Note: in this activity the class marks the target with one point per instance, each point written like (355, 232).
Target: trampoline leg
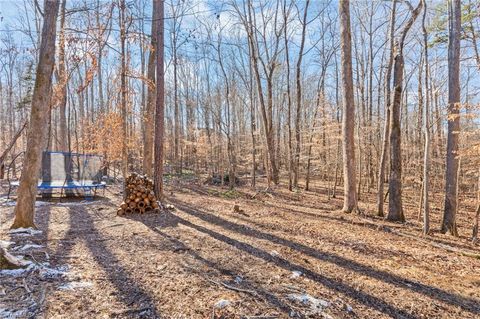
(46, 194)
(88, 193)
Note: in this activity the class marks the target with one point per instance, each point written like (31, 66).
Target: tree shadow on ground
(359, 247)
(157, 222)
(369, 222)
(360, 296)
(138, 303)
(468, 304)
(323, 214)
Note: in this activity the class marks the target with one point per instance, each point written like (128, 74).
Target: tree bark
(299, 96)
(395, 210)
(160, 101)
(426, 158)
(123, 87)
(450, 210)
(150, 110)
(348, 121)
(42, 93)
(477, 214)
(386, 130)
(62, 75)
(291, 165)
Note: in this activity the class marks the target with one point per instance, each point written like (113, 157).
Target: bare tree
(123, 85)
(348, 120)
(62, 79)
(299, 94)
(386, 129)
(27, 191)
(150, 109)
(291, 165)
(451, 173)
(268, 63)
(426, 157)
(395, 211)
(158, 15)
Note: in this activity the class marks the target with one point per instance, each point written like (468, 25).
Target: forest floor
(284, 254)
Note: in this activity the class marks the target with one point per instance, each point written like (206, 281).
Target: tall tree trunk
(299, 96)
(426, 158)
(266, 107)
(100, 44)
(371, 177)
(395, 211)
(386, 130)
(42, 93)
(310, 139)
(268, 125)
(477, 214)
(450, 210)
(252, 122)
(123, 87)
(291, 165)
(348, 121)
(63, 140)
(176, 111)
(160, 100)
(150, 109)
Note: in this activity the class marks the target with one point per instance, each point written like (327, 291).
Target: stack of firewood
(139, 196)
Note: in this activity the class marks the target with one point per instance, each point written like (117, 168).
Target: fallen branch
(25, 286)
(251, 292)
(8, 261)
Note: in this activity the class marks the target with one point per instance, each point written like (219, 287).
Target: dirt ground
(284, 254)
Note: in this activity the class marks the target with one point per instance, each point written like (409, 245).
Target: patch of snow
(82, 203)
(222, 303)
(295, 274)
(76, 285)
(29, 247)
(316, 305)
(5, 243)
(16, 272)
(11, 202)
(274, 253)
(12, 314)
(53, 273)
(7, 202)
(24, 231)
(40, 203)
(238, 279)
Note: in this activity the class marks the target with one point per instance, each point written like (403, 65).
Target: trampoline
(70, 172)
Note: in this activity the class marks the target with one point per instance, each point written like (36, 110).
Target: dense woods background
(254, 90)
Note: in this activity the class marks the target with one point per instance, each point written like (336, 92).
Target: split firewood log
(139, 196)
